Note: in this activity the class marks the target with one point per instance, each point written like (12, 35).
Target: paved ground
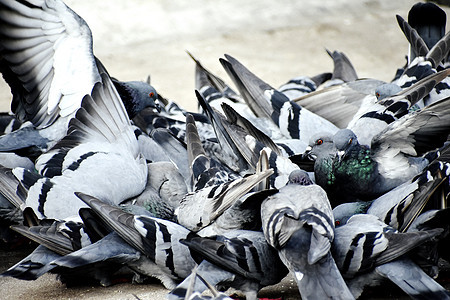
(277, 40)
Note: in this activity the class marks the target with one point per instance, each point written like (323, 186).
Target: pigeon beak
(307, 153)
(341, 155)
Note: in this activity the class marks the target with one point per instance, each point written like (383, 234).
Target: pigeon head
(319, 143)
(300, 177)
(345, 211)
(344, 140)
(144, 95)
(136, 96)
(386, 90)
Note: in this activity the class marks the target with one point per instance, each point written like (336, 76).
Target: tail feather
(412, 280)
(322, 280)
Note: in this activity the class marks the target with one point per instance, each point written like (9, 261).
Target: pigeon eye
(337, 223)
(350, 141)
(151, 94)
(377, 95)
(319, 142)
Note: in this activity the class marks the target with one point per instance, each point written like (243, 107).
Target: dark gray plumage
(365, 244)
(240, 259)
(200, 208)
(165, 258)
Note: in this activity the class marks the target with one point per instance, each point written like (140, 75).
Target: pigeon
(285, 147)
(266, 102)
(174, 149)
(298, 222)
(217, 93)
(200, 208)
(158, 240)
(162, 194)
(365, 245)
(374, 117)
(427, 62)
(240, 259)
(344, 104)
(56, 239)
(50, 66)
(412, 280)
(105, 262)
(429, 255)
(99, 155)
(229, 152)
(320, 151)
(339, 103)
(394, 156)
(243, 214)
(62, 237)
(400, 207)
(205, 171)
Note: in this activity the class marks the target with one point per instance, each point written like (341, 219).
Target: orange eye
(151, 94)
(350, 141)
(377, 95)
(337, 223)
(319, 142)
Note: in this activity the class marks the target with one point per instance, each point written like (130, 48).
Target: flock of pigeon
(338, 180)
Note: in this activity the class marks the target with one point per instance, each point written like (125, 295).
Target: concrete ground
(277, 40)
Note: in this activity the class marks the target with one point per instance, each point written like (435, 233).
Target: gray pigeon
(266, 102)
(240, 259)
(298, 222)
(164, 257)
(396, 155)
(392, 103)
(343, 71)
(174, 148)
(214, 88)
(162, 194)
(400, 207)
(367, 246)
(38, 64)
(100, 155)
(200, 208)
(340, 103)
(228, 152)
(205, 171)
(321, 150)
(217, 93)
(101, 262)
